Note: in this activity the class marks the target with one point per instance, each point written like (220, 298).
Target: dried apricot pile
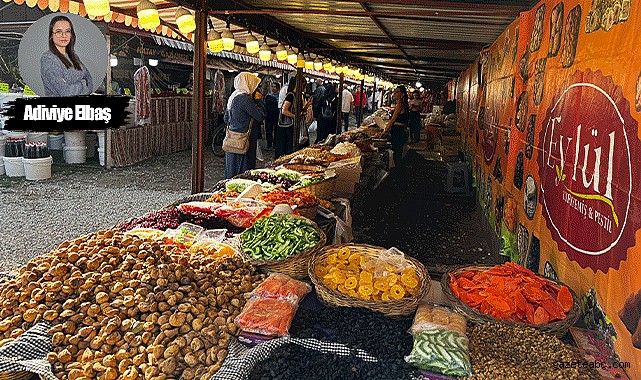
(367, 277)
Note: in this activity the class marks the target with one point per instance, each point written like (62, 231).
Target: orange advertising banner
(556, 143)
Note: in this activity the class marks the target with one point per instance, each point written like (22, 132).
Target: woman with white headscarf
(243, 105)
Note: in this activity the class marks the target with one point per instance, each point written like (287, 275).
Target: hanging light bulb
(147, 15)
(185, 20)
(281, 52)
(251, 43)
(300, 60)
(419, 84)
(326, 65)
(228, 39)
(97, 8)
(318, 64)
(113, 60)
(292, 58)
(332, 69)
(339, 68)
(345, 68)
(214, 41)
(265, 53)
(309, 64)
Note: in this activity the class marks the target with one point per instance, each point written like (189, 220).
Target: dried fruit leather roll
(631, 312)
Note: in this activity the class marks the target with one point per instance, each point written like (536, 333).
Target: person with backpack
(327, 124)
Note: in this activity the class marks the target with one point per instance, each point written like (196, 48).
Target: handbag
(237, 142)
(328, 112)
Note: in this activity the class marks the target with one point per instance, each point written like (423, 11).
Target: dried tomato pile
(513, 293)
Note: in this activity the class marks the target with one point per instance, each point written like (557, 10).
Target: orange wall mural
(551, 113)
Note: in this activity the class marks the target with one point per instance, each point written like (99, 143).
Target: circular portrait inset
(63, 54)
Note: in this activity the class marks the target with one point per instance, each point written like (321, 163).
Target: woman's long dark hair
(291, 86)
(406, 103)
(75, 62)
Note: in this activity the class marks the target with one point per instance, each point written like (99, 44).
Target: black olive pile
(383, 337)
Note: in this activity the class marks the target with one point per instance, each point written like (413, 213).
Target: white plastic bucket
(13, 166)
(37, 168)
(75, 154)
(3, 140)
(40, 137)
(55, 142)
(76, 139)
(101, 156)
(91, 142)
(1, 166)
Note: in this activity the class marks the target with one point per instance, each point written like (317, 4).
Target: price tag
(127, 91)
(4, 87)
(28, 91)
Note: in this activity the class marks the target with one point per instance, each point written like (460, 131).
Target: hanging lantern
(292, 58)
(251, 43)
(300, 60)
(339, 68)
(147, 15)
(344, 69)
(97, 8)
(265, 53)
(228, 39)
(214, 41)
(318, 64)
(326, 65)
(281, 52)
(185, 20)
(332, 69)
(309, 64)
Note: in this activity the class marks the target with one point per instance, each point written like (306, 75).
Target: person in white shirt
(347, 107)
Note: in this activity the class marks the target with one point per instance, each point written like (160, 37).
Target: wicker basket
(308, 212)
(323, 189)
(305, 169)
(294, 266)
(404, 306)
(18, 375)
(558, 328)
(191, 198)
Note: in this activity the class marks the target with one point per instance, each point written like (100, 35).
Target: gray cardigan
(61, 81)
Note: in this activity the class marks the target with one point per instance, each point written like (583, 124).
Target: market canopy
(400, 40)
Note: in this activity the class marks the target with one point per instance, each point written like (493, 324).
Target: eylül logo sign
(589, 179)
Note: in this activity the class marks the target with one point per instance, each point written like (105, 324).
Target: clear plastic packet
(429, 317)
(183, 236)
(442, 351)
(240, 213)
(196, 207)
(210, 243)
(281, 286)
(239, 185)
(146, 233)
(266, 316)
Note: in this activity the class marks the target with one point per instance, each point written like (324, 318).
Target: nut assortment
(502, 352)
(123, 307)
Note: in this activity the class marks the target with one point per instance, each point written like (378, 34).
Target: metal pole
(108, 84)
(299, 119)
(198, 102)
(340, 102)
(363, 93)
(374, 99)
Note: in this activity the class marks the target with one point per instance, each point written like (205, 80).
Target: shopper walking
(272, 111)
(283, 141)
(360, 101)
(328, 110)
(245, 110)
(347, 107)
(319, 96)
(416, 106)
(396, 128)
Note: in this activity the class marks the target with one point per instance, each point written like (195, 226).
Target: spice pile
(502, 352)
(123, 307)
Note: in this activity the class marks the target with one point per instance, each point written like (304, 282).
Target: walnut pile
(126, 308)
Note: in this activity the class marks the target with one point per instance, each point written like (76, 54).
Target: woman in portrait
(62, 72)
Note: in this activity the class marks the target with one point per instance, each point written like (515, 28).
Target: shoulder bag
(237, 142)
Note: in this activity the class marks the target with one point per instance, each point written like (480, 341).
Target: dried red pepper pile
(513, 293)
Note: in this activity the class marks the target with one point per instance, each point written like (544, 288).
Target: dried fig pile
(126, 308)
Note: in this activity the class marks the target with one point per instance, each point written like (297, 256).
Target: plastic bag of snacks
(439, 344)
(430, 317)
(281, 286)
(266, 316)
